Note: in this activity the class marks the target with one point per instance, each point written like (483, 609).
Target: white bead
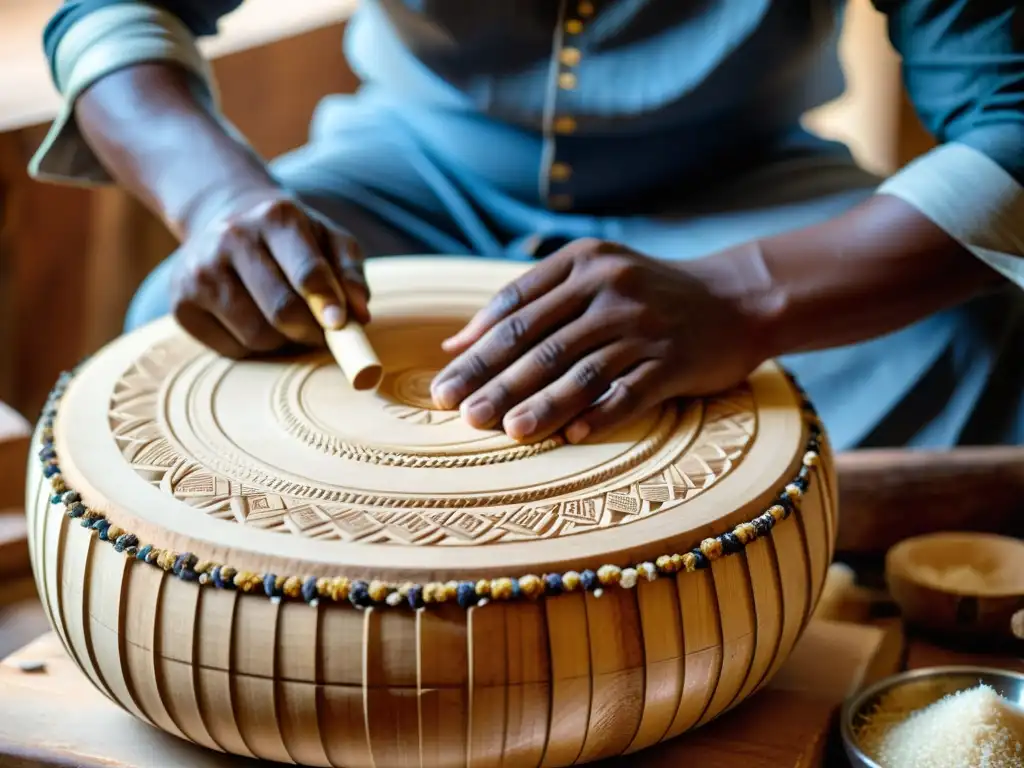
(628, 579)
(482, 602)
(648, 570)
(810, 459)
(314, 602)
(598, 592)
(793, 492)
(275, 599)
(393, 599)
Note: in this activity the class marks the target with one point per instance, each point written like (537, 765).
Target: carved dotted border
(363, 594)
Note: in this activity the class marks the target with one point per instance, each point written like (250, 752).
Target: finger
(504, 344)
(274, 296)
(537, 368)
(629, 396)
(557, 405)
(514, 296)
(294, 247)
(239, 314)
(349, 260)
(207, 329)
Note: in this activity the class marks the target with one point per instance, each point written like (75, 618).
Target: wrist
(739, 277)
(218, 200)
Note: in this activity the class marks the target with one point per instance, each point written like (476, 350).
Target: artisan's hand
(243, 282)
(589, 338)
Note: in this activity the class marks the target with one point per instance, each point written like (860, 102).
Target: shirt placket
(556, 171)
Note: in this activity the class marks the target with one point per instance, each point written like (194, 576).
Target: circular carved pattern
(164, 416)
(302, 425)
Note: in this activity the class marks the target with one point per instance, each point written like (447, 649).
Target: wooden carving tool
(350, 348)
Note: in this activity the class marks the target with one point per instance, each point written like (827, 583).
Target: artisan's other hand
(243, 282)
(589, 338)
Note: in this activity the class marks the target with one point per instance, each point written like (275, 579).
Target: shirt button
(565, 124)
(567, 81)
(561, 171)
(570, 56)
(573, 26)
(585, 8)
(560, 202)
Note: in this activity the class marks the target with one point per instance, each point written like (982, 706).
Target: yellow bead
(811, 459)
(113, 532)
(647, 571)
(777, 512)
(483, 588)
(501, 589)
(570, 56)
(689, 562)
(378, 591)
(531, 585)
(323, 586)
(609, 574)
(339, 588)
(745, 532)
(451, 590)
(292, 586)
(664, 564)
(570, 581)
(166, 559)
(794, 492)
(574, 26)
(677, 563)
(711, 548)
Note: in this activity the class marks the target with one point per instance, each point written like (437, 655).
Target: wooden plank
(886, 496)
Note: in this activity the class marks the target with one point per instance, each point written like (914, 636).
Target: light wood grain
(556, 682)
(60, 719)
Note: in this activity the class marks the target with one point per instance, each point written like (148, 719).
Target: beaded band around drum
(364, 594)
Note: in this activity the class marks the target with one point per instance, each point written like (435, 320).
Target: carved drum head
(279, 461)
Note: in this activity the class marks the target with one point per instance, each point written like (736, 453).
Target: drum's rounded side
(558, 682)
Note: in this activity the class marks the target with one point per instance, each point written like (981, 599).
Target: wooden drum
(260, 559)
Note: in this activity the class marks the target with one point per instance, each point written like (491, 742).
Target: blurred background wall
(70, 259)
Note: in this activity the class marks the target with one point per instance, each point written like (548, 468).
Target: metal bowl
(939, 681)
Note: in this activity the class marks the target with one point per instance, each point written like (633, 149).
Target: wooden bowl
(960, 584)
(366, 531)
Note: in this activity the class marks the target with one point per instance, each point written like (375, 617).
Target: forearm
(871, 271)
(155, 138)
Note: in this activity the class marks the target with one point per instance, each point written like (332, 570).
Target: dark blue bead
(309, 593)
(786, 503)
(730, 544)
(102, 526)
(77, 510)
(141, 554)
(47, 453)
(50, 470)
(763, 524)
(124, 541)
(215, 577)
(359, 594)
(516, 589)
(465, 594)
(187, 574)
(553, 584)
(588, 580)
(802, 483)
(70, 497)
(700, 561)
(269, 585)
(55, 499)
(415, 596)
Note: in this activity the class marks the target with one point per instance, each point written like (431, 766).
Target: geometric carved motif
(226, 489)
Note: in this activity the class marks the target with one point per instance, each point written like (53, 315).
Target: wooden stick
(886, 496)
(349, 346)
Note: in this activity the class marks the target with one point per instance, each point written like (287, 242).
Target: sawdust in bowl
(974, 728)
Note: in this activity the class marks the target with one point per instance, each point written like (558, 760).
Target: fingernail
(446, 395)
(479, 413)
(326, 310)
(577, 432)
(520, 425)
(334, 317)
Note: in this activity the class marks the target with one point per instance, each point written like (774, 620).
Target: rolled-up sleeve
(86, 40)
(963, 66)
